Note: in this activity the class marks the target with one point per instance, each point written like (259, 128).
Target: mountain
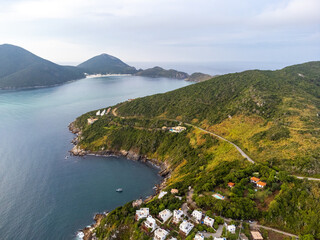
(160, 72)
(273, 116)
(199, 77)
(20, 68)
(106, 64)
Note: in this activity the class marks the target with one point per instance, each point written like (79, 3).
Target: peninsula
(230, 149)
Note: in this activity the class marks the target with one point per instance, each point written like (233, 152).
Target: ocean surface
(42, 194)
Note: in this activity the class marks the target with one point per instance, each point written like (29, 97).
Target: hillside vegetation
(157, 72)
(272, 115)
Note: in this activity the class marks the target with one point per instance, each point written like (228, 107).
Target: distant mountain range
(20, 68)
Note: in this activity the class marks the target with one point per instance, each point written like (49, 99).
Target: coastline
(164, 172)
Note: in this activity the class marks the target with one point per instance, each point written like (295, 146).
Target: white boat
(119, 190)
(103, 112)
(98, 113)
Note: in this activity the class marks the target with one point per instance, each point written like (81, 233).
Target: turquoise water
(42, 194)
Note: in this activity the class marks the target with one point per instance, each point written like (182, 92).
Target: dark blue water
(42, 194)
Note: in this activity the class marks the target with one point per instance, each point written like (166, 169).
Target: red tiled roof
(261, 184)
(255, 179)
(231, 184)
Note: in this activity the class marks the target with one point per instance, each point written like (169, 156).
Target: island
(239, 155)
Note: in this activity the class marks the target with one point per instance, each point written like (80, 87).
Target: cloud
(295, 12)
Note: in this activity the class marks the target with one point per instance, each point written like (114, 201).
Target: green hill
(272, 115)
(22, 69)
(106, 64)
(199, 77)
(157, 72)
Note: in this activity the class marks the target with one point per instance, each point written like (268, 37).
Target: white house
(199, 236)
(165, 215)
(177, 216)
(186, 227)
(197, 215)
(160, 234)
(172, 238)
(142, 213)
(218, 238)
(208, 221)
(161, 194)
(231, 228)
(150, 223)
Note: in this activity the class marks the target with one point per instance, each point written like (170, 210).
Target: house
(231, 184)
(256, 235)
(197, 215)
(208, 221)
(199, 236)
(177, 129)
(261, 184)
(137, 203)
(165, 215)
(219, 238)
(161, 194)
(231, 229)
(218, 196)
(174, 191)
(177, 216)
(142, 213)
(160, 234)
(150, 223)
(254, 180)
(91, 120)
(186, 227)
(172, 238)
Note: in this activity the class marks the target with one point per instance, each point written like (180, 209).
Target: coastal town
(181, 223)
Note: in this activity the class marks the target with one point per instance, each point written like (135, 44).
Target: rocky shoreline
(88, 232)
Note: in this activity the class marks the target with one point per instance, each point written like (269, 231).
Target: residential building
(174, 191)
(142, 213)
(261, 184)
(161, 194)
(91, 120)
(160, 234)
(177, 216)
(186, 227)
(219, 238)
(231, 228)
(231, 184)
(172, 238)
(177, 129)
(254, 180)
(137, 203)
(197, 215)
(208, 221)
(199, 236)
(165, 215)
(256, 235)
(150, 223)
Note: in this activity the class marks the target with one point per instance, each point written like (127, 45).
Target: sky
(71, 31)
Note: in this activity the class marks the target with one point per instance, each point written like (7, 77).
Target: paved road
(309, 178)
(273, 229)
(222, 138)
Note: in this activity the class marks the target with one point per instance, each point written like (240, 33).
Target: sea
(44, 192)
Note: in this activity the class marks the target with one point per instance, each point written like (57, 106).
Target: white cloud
(297, 12)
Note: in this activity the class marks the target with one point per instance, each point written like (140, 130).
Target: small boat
(66, 157)
(119, 190)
